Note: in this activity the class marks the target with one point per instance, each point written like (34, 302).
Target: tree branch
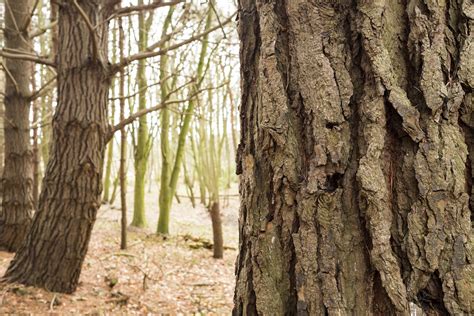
(146, 54)
(41, 30)
(44, 89)
(27, 56)
(146, 7)
(95, 40)
(160, 106)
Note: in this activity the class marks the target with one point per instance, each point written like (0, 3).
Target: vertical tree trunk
(2, 100)
(110, 147)
(171, 185)
(57, 242)
(217, 235)
(142, 149)
(354, 168)
(17, 180)
(165, 196)
(48, 101)
(123, 146)
(35, 149)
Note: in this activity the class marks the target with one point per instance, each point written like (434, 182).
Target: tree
(142, 148)
(55, 247)
(356, 124)
(17, 179)
(169, 181)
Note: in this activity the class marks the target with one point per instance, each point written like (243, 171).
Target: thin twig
(146, 7)
(44, 88)
(146, 54)
(95, 40)
(29, 57)
(41, 30)
(140, 113)
(30, 16)
(17, 88)
(211, 2)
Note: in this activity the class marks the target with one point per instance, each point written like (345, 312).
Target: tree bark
(56, 245)
(17, 180)
(356, 184)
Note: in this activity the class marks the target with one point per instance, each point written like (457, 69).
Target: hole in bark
(331, 125)
(431, 297)
(333, 182)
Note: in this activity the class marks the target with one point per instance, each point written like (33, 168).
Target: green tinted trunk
(143, 139)
(166, 201)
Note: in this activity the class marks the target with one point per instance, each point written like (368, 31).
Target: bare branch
(27, 56)
(17, 88)
(44, 89)
(146, 54)
(146, 7)
(28, 21)
(142, 89)
(211, 3)
(95, 40)
(41, 30)
(160, 106)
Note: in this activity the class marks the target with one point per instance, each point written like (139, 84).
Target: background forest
(354, 160)
(170, 197)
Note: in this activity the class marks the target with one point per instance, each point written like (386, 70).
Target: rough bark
(57, 242)
(2, 101)
(17, 180)
(355, 177)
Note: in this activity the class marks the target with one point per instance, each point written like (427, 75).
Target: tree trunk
(56, 245)
(2, 101)
(142, 148)
(165, 196)
(354, 168)
(217, 235)
(17, 181)
(123, 147)
(167, 199)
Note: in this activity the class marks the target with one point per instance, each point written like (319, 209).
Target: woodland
(250, 157)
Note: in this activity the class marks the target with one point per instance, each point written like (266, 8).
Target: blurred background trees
(170, 96)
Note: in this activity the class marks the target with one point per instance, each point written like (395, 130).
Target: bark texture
(355, 177)
(56, 245)
(17, 180)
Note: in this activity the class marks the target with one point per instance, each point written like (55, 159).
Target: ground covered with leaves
(155, 275)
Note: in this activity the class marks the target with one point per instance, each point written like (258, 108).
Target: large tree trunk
(355, 177)
(57, 243)
(17, 180)
(2, 100)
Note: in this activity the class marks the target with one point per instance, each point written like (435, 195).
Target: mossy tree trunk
(165, 196)
(168, 188)
(143, 145)
(17, 179)
(356, 124)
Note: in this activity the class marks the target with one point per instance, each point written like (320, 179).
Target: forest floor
(155, 275)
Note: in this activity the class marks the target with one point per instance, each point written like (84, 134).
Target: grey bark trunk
(17, 179)
(356, 123)
(57, 242)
